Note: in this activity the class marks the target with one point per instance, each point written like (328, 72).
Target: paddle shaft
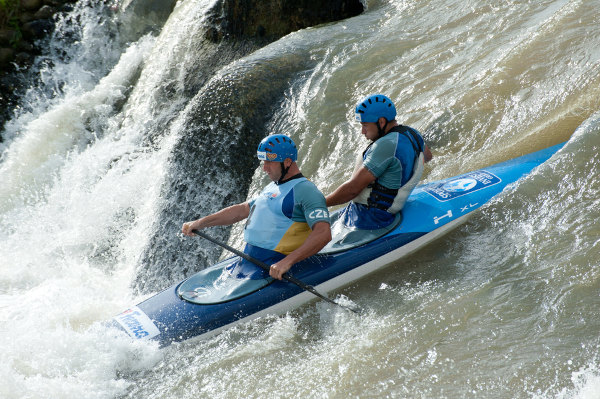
(267, 268)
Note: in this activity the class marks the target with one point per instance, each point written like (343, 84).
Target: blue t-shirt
(391, 158)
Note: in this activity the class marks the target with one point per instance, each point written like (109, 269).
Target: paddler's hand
(187, 228)
(278, 269)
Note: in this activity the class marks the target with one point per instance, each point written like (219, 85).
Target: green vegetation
(9, 18)
(9, 13)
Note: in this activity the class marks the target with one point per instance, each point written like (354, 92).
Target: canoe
(216, 298)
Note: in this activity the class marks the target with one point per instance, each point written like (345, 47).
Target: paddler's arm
(350, 189)
(428, 156)
(224, 217)
(316, 240)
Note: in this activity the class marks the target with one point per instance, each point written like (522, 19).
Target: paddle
(264, 266)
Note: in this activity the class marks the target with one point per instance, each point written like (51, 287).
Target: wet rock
(161, 8)
(31, 5)
(25, 17)
(53, 3)
(46, 12)
(7, 54)
(23, 58)
(58, 3)
(138, 17)
(37, 29)
(270, 20)
(26, 46)
(8, 36)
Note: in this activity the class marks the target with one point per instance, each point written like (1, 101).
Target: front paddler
(287, 222)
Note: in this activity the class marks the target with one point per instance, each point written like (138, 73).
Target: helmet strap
(381, 130)
(284, 171)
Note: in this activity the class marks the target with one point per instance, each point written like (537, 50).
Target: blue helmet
(373, 107)
(277, 148)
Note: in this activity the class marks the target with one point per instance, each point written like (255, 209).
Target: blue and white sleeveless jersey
(282, 216)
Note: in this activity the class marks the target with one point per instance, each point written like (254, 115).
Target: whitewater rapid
(505, 306)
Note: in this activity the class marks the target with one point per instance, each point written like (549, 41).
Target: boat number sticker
(137, 323)
(462, 185)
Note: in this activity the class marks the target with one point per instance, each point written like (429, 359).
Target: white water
(506, 306)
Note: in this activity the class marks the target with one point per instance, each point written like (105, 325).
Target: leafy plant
(9, 12)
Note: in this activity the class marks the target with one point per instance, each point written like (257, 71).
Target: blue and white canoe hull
(432, 210)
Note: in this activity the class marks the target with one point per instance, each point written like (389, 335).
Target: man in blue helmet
(287, 222)
(388, 170)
